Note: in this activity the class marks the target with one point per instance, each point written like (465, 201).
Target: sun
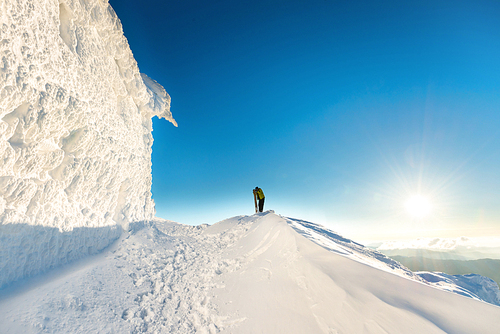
(418, 206)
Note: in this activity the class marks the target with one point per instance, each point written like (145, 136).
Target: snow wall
(75, 133)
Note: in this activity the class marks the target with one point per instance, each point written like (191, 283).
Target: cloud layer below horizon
(445, 244)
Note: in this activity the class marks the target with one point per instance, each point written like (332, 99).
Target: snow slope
(75, 133)
(247, 274)
(470, 285)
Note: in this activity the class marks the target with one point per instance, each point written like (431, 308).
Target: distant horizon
(488, 240)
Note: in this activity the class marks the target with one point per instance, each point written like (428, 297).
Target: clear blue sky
(339, 110)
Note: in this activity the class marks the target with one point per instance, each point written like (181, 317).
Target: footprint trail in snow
(248, 274)
(157, 279)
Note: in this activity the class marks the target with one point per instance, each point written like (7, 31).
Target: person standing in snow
(259, 194)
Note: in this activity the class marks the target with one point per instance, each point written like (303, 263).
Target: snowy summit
(75, 180)
(249, 274)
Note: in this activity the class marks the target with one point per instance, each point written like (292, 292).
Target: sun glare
(418, 206)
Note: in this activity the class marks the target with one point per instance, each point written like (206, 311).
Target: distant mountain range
(456, 253)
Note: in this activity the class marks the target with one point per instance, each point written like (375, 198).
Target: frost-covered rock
(75, 132)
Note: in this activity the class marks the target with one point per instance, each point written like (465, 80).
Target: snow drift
(316, 281)
(248, 274)
(75, 133)
(470, 285)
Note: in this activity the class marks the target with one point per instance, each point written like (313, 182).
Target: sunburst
(418, 206)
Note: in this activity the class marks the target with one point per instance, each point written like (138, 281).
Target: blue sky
(339, 110)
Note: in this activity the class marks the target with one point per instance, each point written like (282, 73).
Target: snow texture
(75, 133)
(471, 285)
(247, 274)
(357, 252)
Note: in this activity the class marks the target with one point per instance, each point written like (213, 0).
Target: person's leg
(261, 204)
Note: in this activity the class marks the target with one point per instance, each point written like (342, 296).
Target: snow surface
(471, 285)
(336, 243)
(75, 133)
(247, 274)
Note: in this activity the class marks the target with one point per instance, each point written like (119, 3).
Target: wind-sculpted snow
(471, 285)
(158, 278)
(246, 274)
(75, 131)
(338, 244)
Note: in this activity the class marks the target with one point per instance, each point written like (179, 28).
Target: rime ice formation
(75, 132)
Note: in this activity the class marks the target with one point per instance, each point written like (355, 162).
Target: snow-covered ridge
(246, 274)
(473, 286)
(75, 132)
(357, 252)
